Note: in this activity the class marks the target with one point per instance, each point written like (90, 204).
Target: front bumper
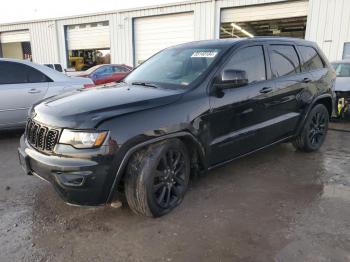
(82, 180)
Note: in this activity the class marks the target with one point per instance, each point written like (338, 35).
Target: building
(131, 36)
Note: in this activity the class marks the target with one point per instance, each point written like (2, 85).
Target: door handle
(265, 90)
(306, 80)
(34, 91)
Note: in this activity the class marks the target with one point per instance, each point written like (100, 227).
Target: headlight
(83, 139)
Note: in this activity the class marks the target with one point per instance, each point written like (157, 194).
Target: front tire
(157, 178)
(314, 131)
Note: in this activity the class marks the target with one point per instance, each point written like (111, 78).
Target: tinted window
(15, 73)
(58, 67)
(312, 60)
(284, 60)
(34, 76)
(251, 60)
(12, 73)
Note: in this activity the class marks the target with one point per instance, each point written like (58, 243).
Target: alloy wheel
(169, 181)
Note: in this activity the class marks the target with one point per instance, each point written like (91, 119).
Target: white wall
(329, 25)
(43, 39)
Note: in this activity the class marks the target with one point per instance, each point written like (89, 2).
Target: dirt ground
(276, 205)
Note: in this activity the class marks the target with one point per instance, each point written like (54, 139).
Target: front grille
(41, 137)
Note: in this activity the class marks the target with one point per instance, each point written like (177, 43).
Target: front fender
(182, 135)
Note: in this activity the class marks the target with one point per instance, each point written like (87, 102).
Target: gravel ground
(276, 205)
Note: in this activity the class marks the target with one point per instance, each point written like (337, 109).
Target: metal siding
(327, 20)
(329, 26)
(42, 36)
(203, 25)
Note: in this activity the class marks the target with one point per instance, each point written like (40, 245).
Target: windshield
(342, 69)
(175, 66)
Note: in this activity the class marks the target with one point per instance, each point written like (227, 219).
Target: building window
(346, 51)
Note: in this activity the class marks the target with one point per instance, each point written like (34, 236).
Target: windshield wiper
(139, 83)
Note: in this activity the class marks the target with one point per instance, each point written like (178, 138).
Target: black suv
(185, 110)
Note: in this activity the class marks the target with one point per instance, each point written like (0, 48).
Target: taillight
(88, 85)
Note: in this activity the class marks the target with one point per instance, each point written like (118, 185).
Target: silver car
(23, 83)
(342, 86)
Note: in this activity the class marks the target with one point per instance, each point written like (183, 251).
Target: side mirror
(231, 78)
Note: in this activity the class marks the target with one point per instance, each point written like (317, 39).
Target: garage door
(265, 12)
(88, 36)
(152, 34)
(15, 36)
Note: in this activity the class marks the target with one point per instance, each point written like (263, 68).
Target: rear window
(284, 60)
(312, 60)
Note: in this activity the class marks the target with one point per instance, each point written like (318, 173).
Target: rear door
(20, 87)
(284, 104)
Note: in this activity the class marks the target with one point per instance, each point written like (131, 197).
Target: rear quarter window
(311, 59)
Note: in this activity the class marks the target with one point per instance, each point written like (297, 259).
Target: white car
(23, 83)
(342, 86)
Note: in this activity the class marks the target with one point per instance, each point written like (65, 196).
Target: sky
(24, 10)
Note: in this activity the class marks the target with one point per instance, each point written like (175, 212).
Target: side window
(252, 61)
(12, 73)
(312, 60)
(117, 69)
(284, 60)
(104, 71)
(34, 76)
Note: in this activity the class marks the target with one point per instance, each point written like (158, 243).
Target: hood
(88, 107)
(342, 84)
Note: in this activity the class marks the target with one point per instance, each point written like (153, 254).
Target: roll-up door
(152, 34)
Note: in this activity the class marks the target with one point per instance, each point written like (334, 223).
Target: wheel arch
(326, 100)
(193, 145)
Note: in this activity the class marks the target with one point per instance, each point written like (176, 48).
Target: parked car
(103, 74)
(23, 84)
(342, 86)
(186, 110)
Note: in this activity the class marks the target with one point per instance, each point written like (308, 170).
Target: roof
(231, 41)
(53, 74)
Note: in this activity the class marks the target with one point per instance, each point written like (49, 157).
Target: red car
(106, 73)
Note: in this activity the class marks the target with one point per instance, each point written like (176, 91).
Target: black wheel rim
(170, 179)
(318, 128)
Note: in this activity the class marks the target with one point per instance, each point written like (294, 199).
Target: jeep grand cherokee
(185, 110)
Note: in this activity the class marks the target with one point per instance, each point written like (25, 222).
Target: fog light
(72, 179)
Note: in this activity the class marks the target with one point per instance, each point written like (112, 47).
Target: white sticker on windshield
(207, 54)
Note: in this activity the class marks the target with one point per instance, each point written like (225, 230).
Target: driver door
(238, 113)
